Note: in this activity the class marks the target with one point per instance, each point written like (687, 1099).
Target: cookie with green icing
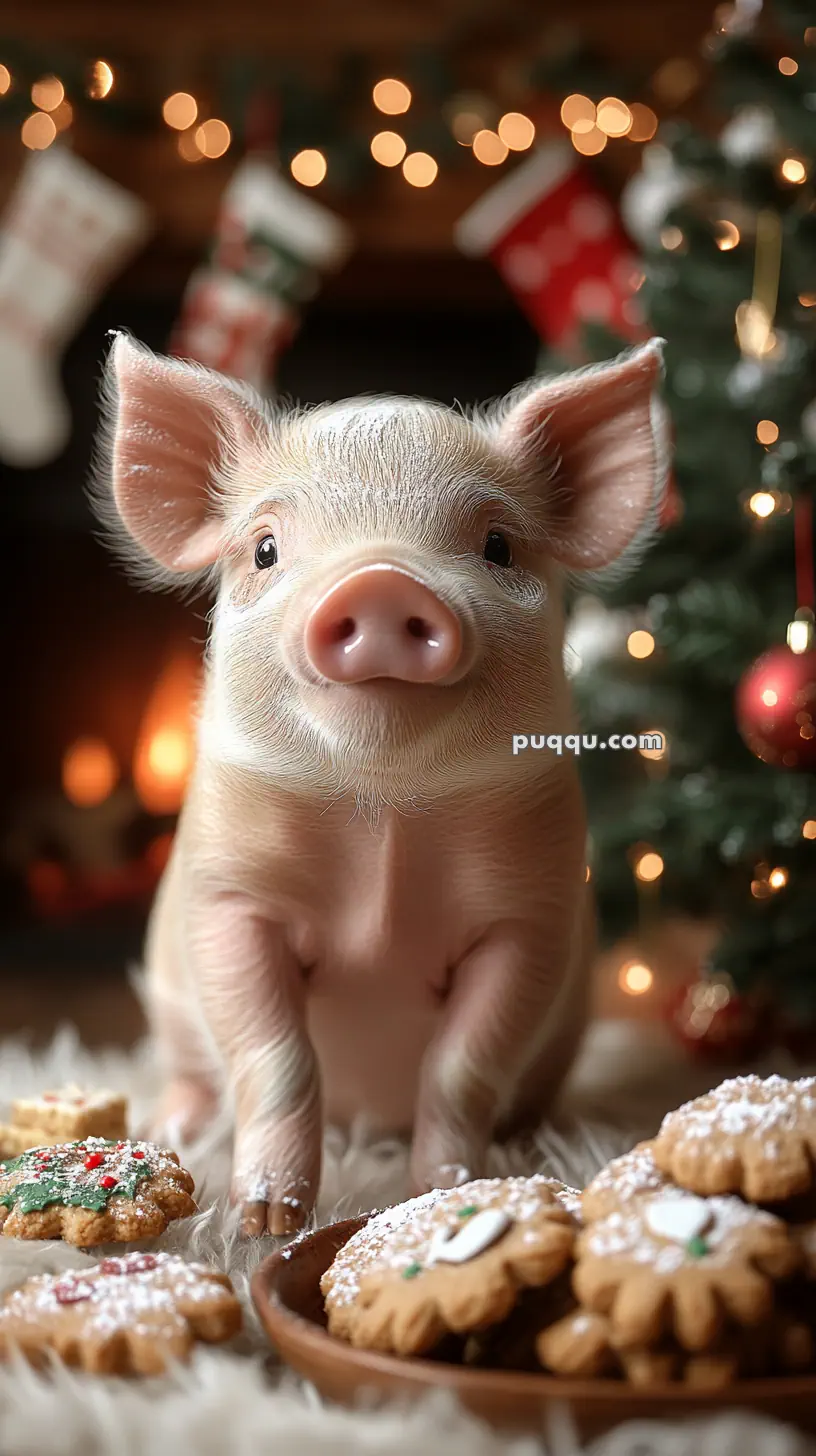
(92, 1191)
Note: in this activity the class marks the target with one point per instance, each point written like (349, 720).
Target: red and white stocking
(241, 309)
(66, 231)
(557, 241)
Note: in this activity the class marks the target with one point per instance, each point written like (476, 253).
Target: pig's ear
(596, 445)
(171, 428)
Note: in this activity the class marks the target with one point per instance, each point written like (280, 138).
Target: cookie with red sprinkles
(93, 1191)
(123, 1316)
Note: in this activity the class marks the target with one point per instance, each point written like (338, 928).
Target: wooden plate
(286, 1292)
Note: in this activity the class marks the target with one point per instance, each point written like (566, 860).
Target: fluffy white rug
(241, 1402)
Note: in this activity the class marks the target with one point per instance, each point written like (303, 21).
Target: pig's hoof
(287, 1216)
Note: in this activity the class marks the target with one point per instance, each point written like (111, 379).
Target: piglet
(372, 905)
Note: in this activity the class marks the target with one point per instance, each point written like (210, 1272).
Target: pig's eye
(497, 549)
(266, 552)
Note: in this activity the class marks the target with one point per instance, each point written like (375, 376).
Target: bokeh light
(308, 167)
(48, 93)
(488, 148)
(38, 131)
(644, 123)
(89, 772)
(613, 117)
(635, 978)
(589, 143)
(213, 137)
(420, 169)
(787, 65)
(100, 80)
(578, 111)
(391, 96)
(778, 878)
(388, 148)
(5, 80)
(767, 432)
(793, 170)
(762, 503)
(516, 131)
(640, 644)
(809, 829)
(180, 110)
(726, 234)
(649, 867)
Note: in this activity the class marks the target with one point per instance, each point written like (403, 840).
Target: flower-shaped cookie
(751, 1135)
(683, 1265)
(451, 1261)
(633, 1175)
(93, 1192)
(125, 1315)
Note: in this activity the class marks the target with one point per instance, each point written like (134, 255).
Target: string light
(589, 143)
(727, 235)
(63, 116)
(762, 503)
(613, 117)
(89, 772)
(578, 112)
(649, 867)
(465, 125)
(48, 93)
(488, 148)
(180, 110)
(213, 138)
(516, 131)
(671, 238)
(767, 432)
(388, 148)
(419, 169)
(778, 878)
(787, 65)
(675, 80)
(793, 170)
(644, 123)
(391, 96)
(188, 148)
(655, 753)
(640, 644)
(38, 131)
(5, 80)
(809, 829)
(308, 167)
(100, 83)
(635, 978)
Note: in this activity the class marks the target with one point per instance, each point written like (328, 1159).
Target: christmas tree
(722, 824)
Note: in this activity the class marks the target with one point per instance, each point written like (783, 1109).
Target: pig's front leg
(253, 994)
(514, 1016)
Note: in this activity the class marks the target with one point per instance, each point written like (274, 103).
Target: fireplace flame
(89, 772)
(166, 743)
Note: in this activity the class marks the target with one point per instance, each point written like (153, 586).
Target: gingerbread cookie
(61, 1116)
(751, 1135)
(683, 1265)
(93, 1191)
(453, 1260)
(583, 1344)
(633, 1175)
(130, 1315)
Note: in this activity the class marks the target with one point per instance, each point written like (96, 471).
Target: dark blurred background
(99, 677)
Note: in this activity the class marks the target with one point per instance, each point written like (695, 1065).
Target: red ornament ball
(715, 1024)
(776, 708)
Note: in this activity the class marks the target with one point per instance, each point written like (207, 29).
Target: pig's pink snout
(381, 622)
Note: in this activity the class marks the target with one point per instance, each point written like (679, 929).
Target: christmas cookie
(452, 1260)
(129, 1315)
(682, 1265)
(93, 1191)
(751, 1135)
(583, 1344)
(633, 1175)
(62, 1115)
